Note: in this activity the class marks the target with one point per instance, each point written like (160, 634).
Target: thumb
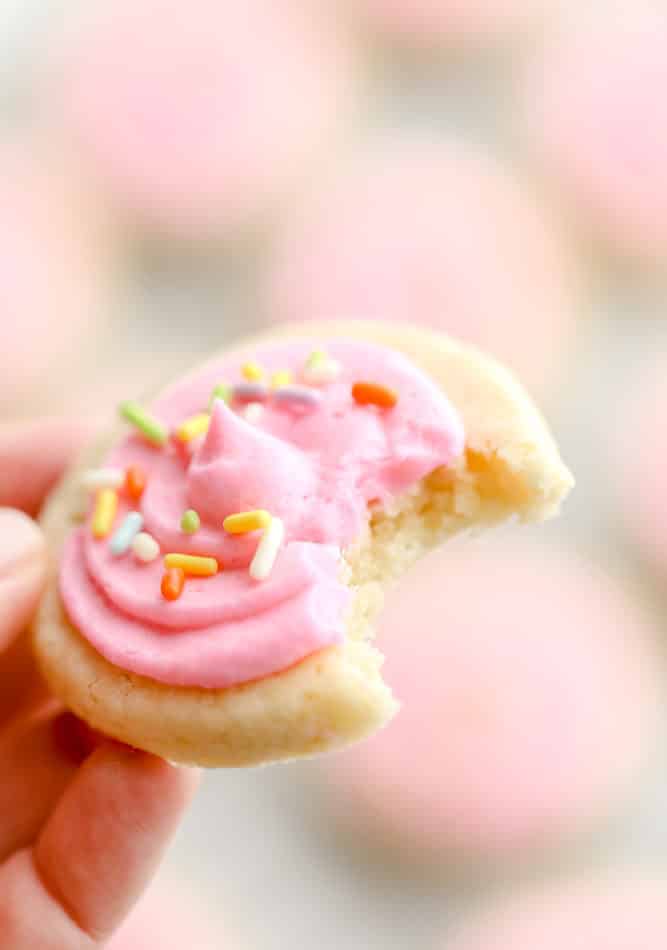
(22, 572)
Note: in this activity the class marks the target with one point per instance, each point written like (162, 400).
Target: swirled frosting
(317, 467)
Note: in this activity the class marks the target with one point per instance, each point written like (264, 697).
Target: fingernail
(74, 739)
(20, 539)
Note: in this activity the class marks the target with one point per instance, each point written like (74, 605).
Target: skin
(83, 821)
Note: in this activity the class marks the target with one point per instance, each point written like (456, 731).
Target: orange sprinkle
(173, 580)
(135, 481)
(374, 394)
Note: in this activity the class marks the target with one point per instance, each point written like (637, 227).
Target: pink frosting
(316, 468)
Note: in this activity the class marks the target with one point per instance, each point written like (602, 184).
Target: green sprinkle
(315, 358)
(221, 391)
(190, 521)
(147, 424)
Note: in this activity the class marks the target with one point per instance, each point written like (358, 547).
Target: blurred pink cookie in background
(54, 273)
(529, 686)
(597, 112)
(448, 23)
(609, 913)
(640, 459)
(198, 117)
(432, 232)
(169, 917)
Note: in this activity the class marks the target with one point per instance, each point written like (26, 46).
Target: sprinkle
(374, 394)
(106, 504)
(125, 534)
(95, 478)
(250, 392)
(253, 412)
(324, 371)
(147, 424)
(282, 377)
(246, 521)
(267, 550)
(221, 391)
(297, 397)
(316, 357)
(135, 481)
(190, 522)
(192, 564)
(145, 548)
(172, 584)
(252, 371)
(192, 427)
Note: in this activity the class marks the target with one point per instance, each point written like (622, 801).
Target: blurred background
(173, 175)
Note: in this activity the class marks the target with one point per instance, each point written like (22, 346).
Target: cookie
(247, 640)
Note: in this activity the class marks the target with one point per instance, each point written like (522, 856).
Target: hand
(83, 821)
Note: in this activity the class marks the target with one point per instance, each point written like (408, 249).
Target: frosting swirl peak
(239, 467)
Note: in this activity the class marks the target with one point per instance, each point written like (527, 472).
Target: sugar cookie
(235, 669)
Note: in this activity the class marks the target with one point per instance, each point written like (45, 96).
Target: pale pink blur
(529, 685)
(619, 911)
(597, 118)
(198, 124)
(423, 229)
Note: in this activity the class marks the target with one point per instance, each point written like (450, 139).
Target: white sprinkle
(145, 547)
(267, 550)
(126, 532)
(319, 373)
(253, 412)
(95, 478)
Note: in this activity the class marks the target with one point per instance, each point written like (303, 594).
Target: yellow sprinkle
(106, 504)
(252, 371)
(192, 427)
(246, 521)
(282, 378)
(192, 564)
